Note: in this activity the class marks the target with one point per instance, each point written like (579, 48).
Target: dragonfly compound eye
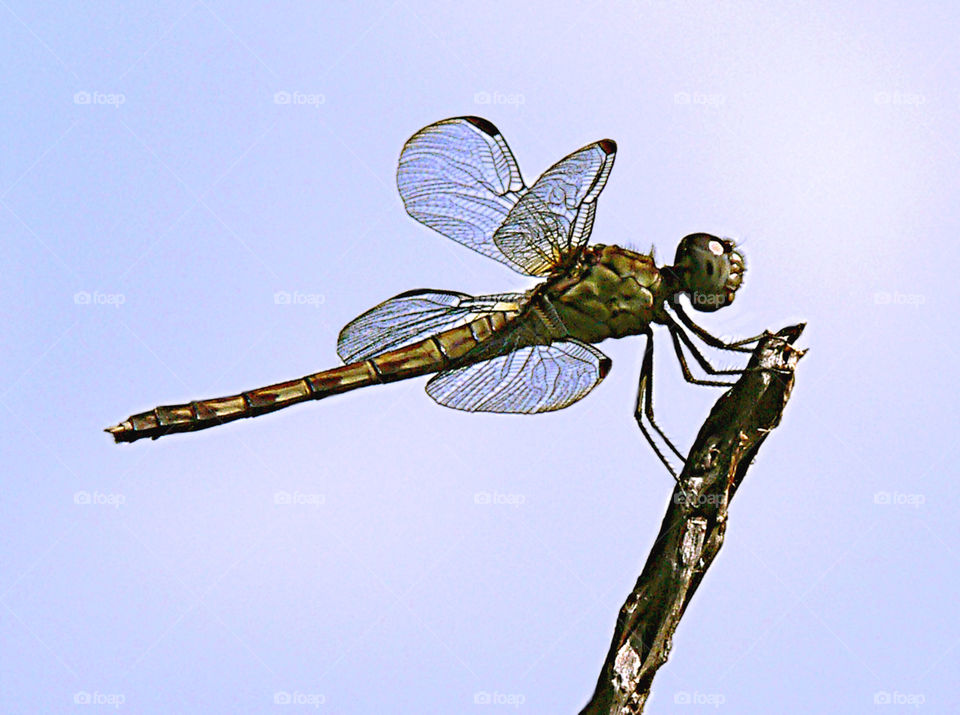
(711, 270)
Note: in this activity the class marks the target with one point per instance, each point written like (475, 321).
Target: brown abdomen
(431, 355)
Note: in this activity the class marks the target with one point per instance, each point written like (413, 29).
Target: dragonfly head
(709, 270)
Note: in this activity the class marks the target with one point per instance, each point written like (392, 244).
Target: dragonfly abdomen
(202, 414)
(434, 354)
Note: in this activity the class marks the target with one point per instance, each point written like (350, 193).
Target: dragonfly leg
(644, 408)
(710, 339)
(677, 331)
(678, 335)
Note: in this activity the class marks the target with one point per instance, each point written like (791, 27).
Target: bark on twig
(692, 530)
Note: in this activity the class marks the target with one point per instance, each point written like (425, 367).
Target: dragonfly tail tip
(117, 431)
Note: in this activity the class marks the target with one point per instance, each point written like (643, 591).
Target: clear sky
(156, 192)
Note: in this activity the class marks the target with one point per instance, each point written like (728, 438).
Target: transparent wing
(554, 217)
(531, 379)
(414, 316)
(460, 178)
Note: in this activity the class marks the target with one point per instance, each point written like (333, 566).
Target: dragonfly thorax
(612, 293)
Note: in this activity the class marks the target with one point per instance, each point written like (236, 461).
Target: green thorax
(610, 293)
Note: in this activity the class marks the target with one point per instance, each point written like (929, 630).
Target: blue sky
(157, 191)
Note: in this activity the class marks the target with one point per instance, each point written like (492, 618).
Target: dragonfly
(524, 352)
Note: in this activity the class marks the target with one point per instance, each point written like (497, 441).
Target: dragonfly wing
(554, 217)
(460, 178)
(414, 316)
(537, 378)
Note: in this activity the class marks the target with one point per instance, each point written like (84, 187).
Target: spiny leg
(678, 335)
(710, 339)
(676, 332)
(644, 407)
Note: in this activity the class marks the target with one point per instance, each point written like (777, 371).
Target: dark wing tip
(609, 146)
(605, 365)
(485, 126)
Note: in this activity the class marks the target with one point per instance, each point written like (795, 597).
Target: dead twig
(692, 530)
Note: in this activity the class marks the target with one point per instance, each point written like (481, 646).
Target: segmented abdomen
(427, 356)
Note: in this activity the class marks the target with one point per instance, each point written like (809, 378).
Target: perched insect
(514, 352)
